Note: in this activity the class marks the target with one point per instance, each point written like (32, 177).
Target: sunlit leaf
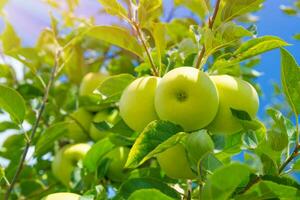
(10, 40)
(13, 103)
(290, 78)
(148, 11)
(153, 135)
(200, 7)
(149, 194)
(117, 36)
(113, 7)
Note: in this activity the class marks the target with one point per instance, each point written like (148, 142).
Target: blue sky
(30, 17)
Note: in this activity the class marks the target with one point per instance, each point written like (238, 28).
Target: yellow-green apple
(90, 82)
(137, 103)
(174, 163)
(62, 196)
(187, 96)
(107, 116)
(66, 159)
(78, 129)
(237, 94)
(118, 157)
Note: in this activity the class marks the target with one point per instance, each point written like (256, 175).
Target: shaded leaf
(149, 194)
(135, 184)
(47, 139)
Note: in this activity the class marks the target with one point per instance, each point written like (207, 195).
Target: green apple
(233, 93)
(137, 103)
(81, 120)
(62, 196)
(118, 157)
(198, 144)
(90, 82)
(106, 115)
(174, 163)
(187, 96)
(66, 159)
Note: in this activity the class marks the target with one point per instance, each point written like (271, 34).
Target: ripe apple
(81, 120)
(187, 96)
(62, 196)
(66, 159)
(107, 116)
(174, 163)
(118, 158)
(233, 93)
(90, 82)
(137, 103)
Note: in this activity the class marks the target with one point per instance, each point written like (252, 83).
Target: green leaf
(148, 11)
(258, 46)
(47, 139)
(235, 8)
(153, 135)
(117, 36)
(2, 173)
(297, 36)
(270, 190)
(13, 103)
(290, 78)
(112, 88)
(135, 184)
(10, 40)
(149, 194)
(96, 153)
(225, 181)
(159, 31)
(288, 10)
(200, 7)
(113, 7)
(296, 165)
(6, 125)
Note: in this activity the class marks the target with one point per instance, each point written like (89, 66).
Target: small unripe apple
(174, 163)
(107, 116)
(90, 82)
(118, 157)
(199, 144)
(66, 159)
(137, 103)
(81, 120)
(187, 96)
(237, 94)
(277, 140)
(62, 196)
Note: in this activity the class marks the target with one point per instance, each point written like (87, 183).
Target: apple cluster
(80, 129)
(192, 99)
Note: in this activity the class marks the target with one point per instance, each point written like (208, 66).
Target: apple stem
(35, 126)
(211, 22)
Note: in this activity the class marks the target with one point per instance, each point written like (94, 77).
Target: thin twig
(143, 41)
(211, 22)
(34, 128)
(250, 184)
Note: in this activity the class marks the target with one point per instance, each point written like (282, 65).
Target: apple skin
(90, 82)
(62, 196)
(75, 131)
(187, 96)
(66, 159)
(233, 93)
(174, 163)
(118, 158)
(105, 115)
(137, 103)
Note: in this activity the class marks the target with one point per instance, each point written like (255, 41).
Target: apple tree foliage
(219, 37)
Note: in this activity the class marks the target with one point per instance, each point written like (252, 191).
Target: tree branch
(211, 22)
(34, 128)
